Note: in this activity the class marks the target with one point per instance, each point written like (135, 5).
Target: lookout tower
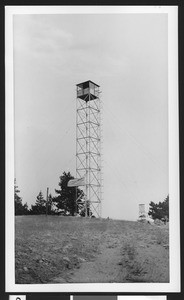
(88, 144)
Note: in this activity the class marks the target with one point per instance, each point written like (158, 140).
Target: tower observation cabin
(88, 144)
(87, 90)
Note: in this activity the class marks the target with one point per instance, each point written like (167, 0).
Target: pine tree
(40, 205)
(66, 199)
(20, 209)
(159, 211)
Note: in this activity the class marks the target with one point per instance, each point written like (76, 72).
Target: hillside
(56, 249)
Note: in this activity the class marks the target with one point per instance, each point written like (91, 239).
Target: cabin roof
(83, 83)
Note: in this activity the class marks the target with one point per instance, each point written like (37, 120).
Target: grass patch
(47, 247)
(145, 255)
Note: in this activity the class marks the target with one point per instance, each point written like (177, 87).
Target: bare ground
(105, 267)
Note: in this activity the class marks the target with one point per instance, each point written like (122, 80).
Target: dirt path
(105, 267)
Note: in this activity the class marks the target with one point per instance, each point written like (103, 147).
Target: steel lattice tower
(88, 144)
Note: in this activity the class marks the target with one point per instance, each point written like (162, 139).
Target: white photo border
(174, 284)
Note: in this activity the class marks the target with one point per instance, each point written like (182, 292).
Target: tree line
(65, 202)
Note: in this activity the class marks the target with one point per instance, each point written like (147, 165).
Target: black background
(66, 296)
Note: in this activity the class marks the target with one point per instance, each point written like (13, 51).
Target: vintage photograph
(89, 113)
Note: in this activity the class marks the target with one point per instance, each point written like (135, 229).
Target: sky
(127, 56)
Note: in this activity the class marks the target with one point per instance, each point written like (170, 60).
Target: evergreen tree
(20, 209)
(40, 205)
(66, 199)
(159, 211)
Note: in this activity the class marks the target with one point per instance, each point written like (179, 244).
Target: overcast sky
(127, 55)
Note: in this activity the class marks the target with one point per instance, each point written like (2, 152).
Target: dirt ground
(77, 250)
